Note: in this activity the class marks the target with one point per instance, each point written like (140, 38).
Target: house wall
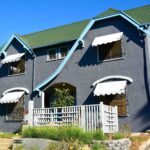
(83, 69)
(7, 82)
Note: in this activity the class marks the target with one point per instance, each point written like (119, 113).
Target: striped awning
(12, 97)
(12, 58)
(107, 39)
(108, 88)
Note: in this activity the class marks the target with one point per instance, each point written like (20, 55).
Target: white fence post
(82, 117)
(30, 112)
(102, 115)
(116, 119)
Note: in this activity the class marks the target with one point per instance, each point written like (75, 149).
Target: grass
(138, 140)
(63, 132)
(6, 135)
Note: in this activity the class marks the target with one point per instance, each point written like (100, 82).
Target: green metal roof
(72, 31)
(55, 35)
(108, 12)
(140, 14)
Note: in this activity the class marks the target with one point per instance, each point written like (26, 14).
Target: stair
(5, 143)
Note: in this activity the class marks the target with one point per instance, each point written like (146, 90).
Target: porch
(88, 117)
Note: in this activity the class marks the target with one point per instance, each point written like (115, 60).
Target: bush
(99, 135)
(118, 135)
(97, 146)
(63, 132)
(69, 144)
(6, 135)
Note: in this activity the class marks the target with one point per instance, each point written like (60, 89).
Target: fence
(88, 117)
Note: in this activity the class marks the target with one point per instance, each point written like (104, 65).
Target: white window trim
(59, 53)
(48, 59)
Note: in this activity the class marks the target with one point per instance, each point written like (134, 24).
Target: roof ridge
(136, 7)
(53, 28)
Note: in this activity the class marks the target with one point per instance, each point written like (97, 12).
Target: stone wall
(121, 144)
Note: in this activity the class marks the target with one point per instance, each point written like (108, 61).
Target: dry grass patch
(138, 140)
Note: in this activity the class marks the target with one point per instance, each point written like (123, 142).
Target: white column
(102, 115)
(30, 112)
(43, 99)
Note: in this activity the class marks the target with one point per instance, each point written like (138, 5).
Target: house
(105, 58)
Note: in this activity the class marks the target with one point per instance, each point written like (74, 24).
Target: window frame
(59, 53)
(126, 101)
(56, 56)
(111, 59)
(17, 73)
(8, 116)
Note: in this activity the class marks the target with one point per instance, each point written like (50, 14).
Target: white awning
(12, 58)
(108, 88)
(12, 97)
(107, 39)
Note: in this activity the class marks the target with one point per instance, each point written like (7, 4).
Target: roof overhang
(14, 36)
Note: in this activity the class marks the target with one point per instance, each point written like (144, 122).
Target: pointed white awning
(108, 88)
(12, 58)
(107, 39)
(12, 97)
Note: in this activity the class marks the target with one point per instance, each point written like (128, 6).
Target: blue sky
(26, 16)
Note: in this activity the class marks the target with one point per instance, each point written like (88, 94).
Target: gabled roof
(140, 14)
(55, 35)
(108, 12)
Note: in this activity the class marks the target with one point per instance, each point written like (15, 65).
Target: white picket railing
(88, 117)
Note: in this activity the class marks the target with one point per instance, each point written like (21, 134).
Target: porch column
(43, 99)
(30, 112)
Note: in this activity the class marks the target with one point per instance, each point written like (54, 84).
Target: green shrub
(86, 137)
(99, 135)
(118, 135)
(6, 135)
(68, 144)
(63, 132)
(97, 146)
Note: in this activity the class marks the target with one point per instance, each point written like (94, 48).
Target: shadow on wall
(3, 110)
(91, 99)
(90, 55)
(144, 116)
(4, 70)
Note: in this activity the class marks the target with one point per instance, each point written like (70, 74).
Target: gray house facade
(105, 58)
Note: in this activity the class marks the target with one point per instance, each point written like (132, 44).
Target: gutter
(87, 28)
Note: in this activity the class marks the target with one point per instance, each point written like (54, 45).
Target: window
(52, 55)
(118, 100)
(17, 67)
(109, 51)
(63, 51)
(57, 53)
(15, 111)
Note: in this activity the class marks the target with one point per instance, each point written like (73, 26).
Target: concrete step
(5, 143)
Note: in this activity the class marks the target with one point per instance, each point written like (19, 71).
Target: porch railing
(88, 117)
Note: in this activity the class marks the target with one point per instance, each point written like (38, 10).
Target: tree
(62, 98)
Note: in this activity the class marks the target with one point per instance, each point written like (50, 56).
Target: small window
(63, 51)
(15, 111)
(52, 55)
(118, 100)
(109, 51)
(17, 67)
